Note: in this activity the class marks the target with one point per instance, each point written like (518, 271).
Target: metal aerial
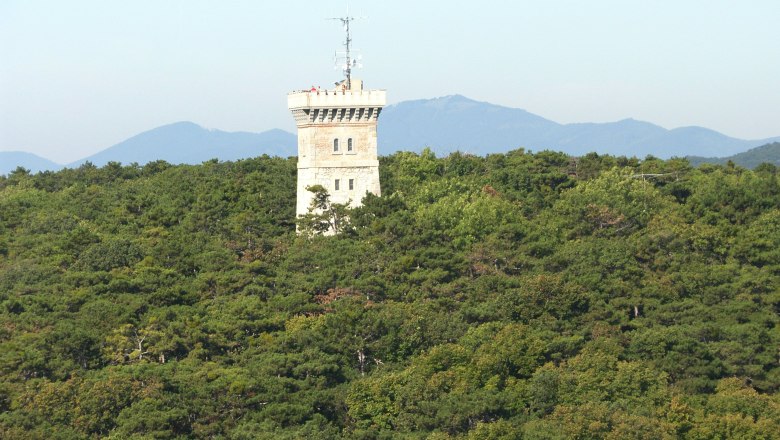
(345, 58)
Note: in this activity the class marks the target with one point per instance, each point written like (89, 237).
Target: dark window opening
(336, 186)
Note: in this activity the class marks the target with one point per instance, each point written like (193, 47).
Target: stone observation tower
(337, 143)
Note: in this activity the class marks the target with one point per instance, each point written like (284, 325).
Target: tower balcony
(333, 99)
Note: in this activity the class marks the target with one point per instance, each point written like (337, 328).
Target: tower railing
(337, 98)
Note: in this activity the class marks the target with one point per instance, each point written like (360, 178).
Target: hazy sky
(79, 76)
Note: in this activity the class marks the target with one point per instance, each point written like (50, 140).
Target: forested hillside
(769, 153)
(510, 296)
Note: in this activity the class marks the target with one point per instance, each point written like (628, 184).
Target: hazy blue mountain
(769, 153)
(445, 124)
(459, 123)
(10, 160)
(187, 142)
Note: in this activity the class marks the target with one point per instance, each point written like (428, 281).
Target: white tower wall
(349, 116)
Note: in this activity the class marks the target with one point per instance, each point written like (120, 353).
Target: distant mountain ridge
(769, 153)
(189, 143)
(458, 123)
(10, 160)
(444, 124)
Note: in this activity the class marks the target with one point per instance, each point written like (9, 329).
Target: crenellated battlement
(336, 99)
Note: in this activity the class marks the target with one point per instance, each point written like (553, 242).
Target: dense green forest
(513, 296)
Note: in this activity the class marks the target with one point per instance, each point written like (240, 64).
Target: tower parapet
(324, 99)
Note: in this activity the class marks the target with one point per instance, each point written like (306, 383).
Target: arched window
(335, 145)
(349, 145)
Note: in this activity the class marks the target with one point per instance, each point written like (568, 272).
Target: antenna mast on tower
(347, 62)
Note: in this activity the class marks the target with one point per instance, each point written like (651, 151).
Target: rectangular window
(351, 184)
(335, 145)
(349, 145)
(336, 186)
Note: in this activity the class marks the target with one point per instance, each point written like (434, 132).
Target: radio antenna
(347, 61)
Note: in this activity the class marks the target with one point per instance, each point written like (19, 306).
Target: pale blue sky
(79, 76)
